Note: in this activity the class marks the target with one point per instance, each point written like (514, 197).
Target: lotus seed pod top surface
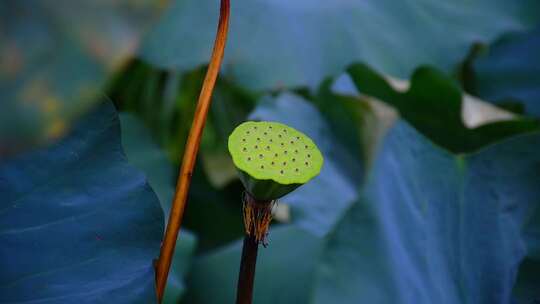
(274, 151)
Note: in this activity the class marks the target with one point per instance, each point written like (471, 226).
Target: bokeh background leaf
(276, 44)
(509, 72)
(55, 60)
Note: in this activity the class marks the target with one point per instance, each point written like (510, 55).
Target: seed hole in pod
(275, 154)
(306, 146)
(270, 127)
(296, 151)
(270, 140)
(296, 170)
(284, 163)
(261, 156)
(243, 139)
(258, 139)
(262, 166)
(285, 130)
(245, 149)
(282, 144)
(247, 132)
(309, 155)
(268, 148)
(249, 158)
(255, 127)
(307, 164)
(285, 152)
(292, 142)
(279, 135)
(281, 171)
(294, 159)
(273, 163)
(256, 147)
(298, 137)
(265, 133)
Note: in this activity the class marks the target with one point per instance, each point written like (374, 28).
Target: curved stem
(190, 153)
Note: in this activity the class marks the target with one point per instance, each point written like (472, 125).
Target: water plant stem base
(246, 276)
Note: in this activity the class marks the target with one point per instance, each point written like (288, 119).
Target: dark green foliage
(433, 104)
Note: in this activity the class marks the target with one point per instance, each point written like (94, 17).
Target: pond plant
(272, 159)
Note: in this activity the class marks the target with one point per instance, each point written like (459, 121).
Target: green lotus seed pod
(273, 159)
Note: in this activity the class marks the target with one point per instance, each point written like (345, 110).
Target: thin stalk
(190, 153)
(246, 276)
(257, 217)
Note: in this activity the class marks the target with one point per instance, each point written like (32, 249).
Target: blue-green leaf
(78, 224)
(434, 227)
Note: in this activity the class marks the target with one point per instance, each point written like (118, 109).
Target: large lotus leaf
(341, 172)
(510, 71)
(433, 105)
(146, 155)
(276, 43)
(431, 227)
(435, 227)
(54, 59)
(78, 224)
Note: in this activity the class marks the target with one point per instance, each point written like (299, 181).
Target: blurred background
(427, 114)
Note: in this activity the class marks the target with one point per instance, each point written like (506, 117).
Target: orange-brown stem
(190, 153)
